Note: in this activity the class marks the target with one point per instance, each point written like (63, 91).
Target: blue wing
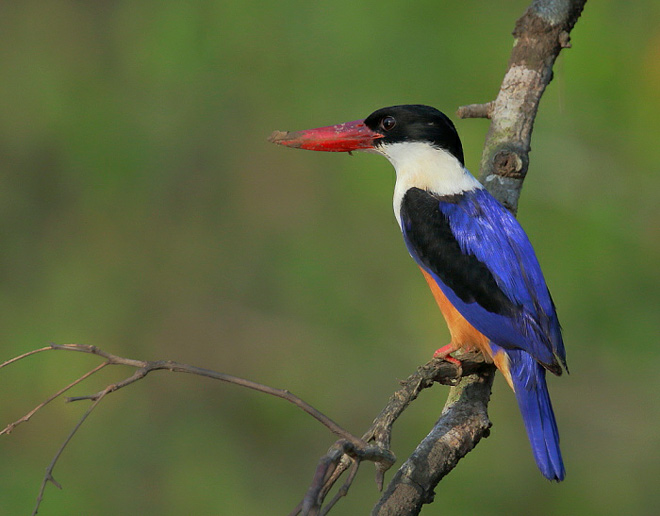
(482, 260)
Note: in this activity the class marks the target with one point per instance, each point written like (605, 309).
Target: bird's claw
(443, 354)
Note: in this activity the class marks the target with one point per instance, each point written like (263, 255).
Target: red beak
(334, 138)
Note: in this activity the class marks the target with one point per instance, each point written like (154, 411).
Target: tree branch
(48, 476)
(332, 465)
(347, 452)
(351, 445)
(540, 34)
(145, 367)
(464, 421)
(475, 110)
(8, 429)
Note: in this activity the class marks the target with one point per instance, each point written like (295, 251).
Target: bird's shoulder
(436, 238)
(478, 250)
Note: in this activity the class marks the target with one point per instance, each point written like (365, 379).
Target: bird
(474, 254)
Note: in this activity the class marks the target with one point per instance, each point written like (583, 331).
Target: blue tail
(534, 402)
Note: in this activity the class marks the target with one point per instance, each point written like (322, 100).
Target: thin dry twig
(326, 469)
(343, 490)
(8, 429)
(350, 444)
(145, 367)
(48, 476)
(24, 355)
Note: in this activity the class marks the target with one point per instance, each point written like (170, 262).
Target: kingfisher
(476, 258)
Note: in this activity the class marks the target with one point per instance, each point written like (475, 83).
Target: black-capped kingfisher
(473, 253)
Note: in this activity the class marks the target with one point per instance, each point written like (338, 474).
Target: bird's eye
(388, 123)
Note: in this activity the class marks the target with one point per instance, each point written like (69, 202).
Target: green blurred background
(143, 211)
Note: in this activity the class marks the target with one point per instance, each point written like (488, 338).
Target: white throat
(421, 165)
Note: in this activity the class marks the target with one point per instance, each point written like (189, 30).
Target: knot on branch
(508, 163)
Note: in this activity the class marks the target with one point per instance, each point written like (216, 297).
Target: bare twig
(343, 490)
(346, 453)
(145, 367)
(349, 444)
(24, 355)
(8, 429)
(313, 501)
(48, 476)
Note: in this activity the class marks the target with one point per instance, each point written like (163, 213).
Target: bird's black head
(415, 123)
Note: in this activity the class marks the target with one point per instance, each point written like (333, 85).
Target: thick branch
(540, 34)
(464, 421)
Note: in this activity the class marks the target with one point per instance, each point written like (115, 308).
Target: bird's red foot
(444, 354)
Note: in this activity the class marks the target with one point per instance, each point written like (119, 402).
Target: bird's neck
(423, 166)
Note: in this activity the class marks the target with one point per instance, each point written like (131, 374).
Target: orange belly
(463, 334)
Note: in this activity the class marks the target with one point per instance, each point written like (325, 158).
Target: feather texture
(481, 259)
(485, 265)
(534, 403)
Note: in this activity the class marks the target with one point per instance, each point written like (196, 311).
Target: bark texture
(540, 34)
